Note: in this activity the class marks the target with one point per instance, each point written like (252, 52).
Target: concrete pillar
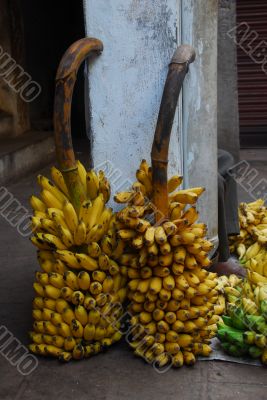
(228, 117)
(199, 28)
(126, 81)
(126, 84)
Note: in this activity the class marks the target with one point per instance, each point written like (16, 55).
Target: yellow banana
(168, 282)
(82, 174)
(49, 226)
(179, 254)
(160, 235)
(51, 292)
(123, 197)
(103, 262)
(249, 306)
(70, 215)
(42, 278)
(184, 340)
(169, 228)
(89, 302)
(57, 216)
(56, 318)
(81, 314)
(39, 242)
(66, 236)
(104, 187)
(53, 241)
(68, 258)
(94, 317)
(155, 285)
(241, 250)
(59, 180)
(37, 204)
(64, 330)
(252, 251)
(59, 267)
(126, 234)
(191, 278)
(181, 283)
(50, 200)
(177, 269)
(46, 184)
(176, 209)
(87, 262)
(71, 280)
(256, 278)
(80, 233)
(94, 250)
(84, 280)
(96, 233)
(143, 178)
(184, 197)
(77, 298)
(89, 332)
(49, 303)
(174, 182)
(92, 181)
(96, 211)
(105, 218)
(78, 352)
(56, 280)
(69, 343)
(38, 303)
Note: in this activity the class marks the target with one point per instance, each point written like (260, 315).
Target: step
(23, 154)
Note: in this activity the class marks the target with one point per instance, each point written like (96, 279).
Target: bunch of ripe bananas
(174, 301)
(251, 244)
(80, 284)
(244, 327)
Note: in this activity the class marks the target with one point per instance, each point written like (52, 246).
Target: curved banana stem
(183, 56)
(65, 80)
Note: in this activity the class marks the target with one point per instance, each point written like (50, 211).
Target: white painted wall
(126, 84)
(126, 81)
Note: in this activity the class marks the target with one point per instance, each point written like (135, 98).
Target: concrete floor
(116, 374)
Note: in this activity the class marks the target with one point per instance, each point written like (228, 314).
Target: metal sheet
(252, 79)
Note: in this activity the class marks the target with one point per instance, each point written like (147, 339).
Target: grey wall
(199, 28)
(228, 121)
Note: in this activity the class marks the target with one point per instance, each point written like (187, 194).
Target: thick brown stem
(178, 67)
(65, 81)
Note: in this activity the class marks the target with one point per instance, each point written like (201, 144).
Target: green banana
(256, 322)
(234, 349)
(230, 335)
(237, 317)
(263, 308)
(255, 352)
(227, 320)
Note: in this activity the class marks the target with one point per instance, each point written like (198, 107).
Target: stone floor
(116, 374)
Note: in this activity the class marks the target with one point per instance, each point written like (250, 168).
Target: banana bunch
(80, 288)
(244, 327)
(174, 301)
(250, 244)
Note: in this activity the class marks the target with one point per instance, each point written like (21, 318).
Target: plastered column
(126, 84)
(126, 81)
(199, 28)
